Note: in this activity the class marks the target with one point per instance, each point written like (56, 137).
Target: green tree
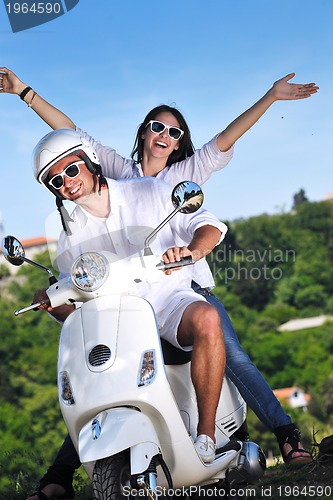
(317, 218)
(311, 296)
(299, 198)
(4, 271)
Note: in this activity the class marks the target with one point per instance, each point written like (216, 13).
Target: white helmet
(58, 144)
(52, 148)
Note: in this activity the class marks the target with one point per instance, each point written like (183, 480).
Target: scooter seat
(174, 356)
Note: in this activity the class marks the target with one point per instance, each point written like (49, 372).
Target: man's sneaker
(205, 447)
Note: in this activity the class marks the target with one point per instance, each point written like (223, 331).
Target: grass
(280, 482)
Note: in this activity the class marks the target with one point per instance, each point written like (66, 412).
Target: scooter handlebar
(32, 307)
(60, 292)
(184, 261)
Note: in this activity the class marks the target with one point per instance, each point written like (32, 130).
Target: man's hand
(175, 254)
(60, 313)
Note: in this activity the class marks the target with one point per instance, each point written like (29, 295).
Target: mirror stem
(51, 276)
(147, 250)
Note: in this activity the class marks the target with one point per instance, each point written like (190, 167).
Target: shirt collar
(117, 198)
(137, 170)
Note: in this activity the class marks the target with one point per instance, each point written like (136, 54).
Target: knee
(206, 322)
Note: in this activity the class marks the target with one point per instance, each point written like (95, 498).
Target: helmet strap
(101, 182)
(64, 216)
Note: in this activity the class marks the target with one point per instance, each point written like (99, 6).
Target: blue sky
(107, 63)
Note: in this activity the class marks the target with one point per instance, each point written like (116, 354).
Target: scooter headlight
(90, 271)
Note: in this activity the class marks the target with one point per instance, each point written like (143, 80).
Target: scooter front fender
(118, 429)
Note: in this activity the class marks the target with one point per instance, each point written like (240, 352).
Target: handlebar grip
(184, 261)
(33, 307)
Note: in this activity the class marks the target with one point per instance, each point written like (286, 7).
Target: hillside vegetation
(268, 270)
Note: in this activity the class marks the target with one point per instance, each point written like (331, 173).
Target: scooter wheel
(110, 476)
(112, 479)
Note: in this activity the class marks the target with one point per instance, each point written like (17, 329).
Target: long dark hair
(186, 147)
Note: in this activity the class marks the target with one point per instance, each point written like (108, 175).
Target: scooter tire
(111, 478)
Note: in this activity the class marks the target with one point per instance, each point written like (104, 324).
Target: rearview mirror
(13, 250)
(187, 197)
(14, 253)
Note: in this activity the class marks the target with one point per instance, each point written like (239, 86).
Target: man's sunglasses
(70, 171)
(157, 127)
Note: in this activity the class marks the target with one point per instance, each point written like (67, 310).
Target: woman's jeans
(240, 370)
(244, 374)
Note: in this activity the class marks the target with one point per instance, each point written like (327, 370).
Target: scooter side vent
(99, 355)
(228, 426)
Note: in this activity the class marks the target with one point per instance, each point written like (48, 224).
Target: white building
(293, 397)
(304, 323)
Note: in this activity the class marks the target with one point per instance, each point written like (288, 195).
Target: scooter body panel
(231, 411)
(115, 392)
(129, 429)
(161, 415)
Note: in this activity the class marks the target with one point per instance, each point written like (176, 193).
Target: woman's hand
(283, 90)
(11, 84)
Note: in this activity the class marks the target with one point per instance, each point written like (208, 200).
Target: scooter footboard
(115, 430)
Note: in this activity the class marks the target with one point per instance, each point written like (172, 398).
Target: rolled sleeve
(199, 166)
(205, 218)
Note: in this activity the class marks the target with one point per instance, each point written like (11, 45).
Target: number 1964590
(35, 8)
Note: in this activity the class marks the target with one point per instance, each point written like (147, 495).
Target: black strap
(64, 215)
(24, 92)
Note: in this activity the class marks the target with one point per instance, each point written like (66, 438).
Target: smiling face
(160, 145)
(76, 188)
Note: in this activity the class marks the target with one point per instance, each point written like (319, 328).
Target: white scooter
(126, 397)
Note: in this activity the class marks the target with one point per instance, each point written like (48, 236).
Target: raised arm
(11, 84)
(282, 90)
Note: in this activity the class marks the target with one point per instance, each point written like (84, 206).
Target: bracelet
(24, 92)
(33, 95)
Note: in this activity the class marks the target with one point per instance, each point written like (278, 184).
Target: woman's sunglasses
(157, 127)
(71, 171)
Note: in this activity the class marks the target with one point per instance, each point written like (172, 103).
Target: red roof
(287, 392)
(38, 241)
(35, 242)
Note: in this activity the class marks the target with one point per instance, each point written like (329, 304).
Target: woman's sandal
(43, 496)
(57, 474)
(291, 435)
(40, 495)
